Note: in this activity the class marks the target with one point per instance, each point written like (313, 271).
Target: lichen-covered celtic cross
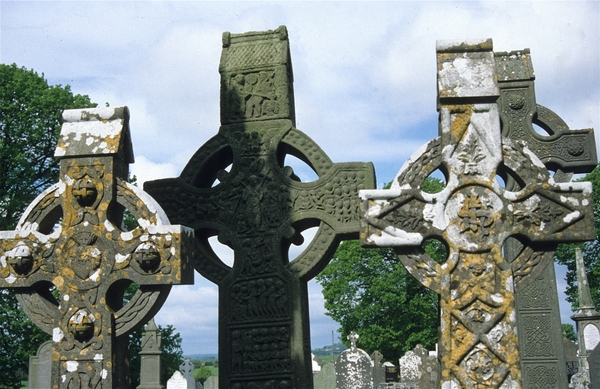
(473, 215)
(259, 207)
(69, 244)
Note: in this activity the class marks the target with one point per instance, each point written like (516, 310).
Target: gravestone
(566, 151)
(474, 215)
(186, 368)
(410, 368)
(572, 361)
(70, 238)
(40, 367)
(316, 366)
(211, 382)
(378, 369)
(258, 207)
(325, 379)
(594, 363)
(354, 367)
(150, 363)
(178, 381)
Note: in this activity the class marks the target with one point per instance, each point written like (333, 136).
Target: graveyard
(508, 200)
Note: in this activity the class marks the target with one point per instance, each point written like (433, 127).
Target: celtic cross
(565, 151)
(474, 215)
(70, 240)
(258, 207)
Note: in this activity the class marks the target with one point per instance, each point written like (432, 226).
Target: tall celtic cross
(474, 215)
(258, 207)
(69, 244)
(565, 151)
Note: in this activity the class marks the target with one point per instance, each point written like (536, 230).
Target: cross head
(473, 215)
(238, 187)
(69, 259)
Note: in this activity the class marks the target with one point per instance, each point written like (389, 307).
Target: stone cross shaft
(70, 239)
(565, 151)
(474, 215)
(259, 207)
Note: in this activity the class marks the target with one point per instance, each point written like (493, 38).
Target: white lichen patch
(120, 258)
(571, 217)
(57, 334)
(72, 366)
(95, 275)
(98, 357)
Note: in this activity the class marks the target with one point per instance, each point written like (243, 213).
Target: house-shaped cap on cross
(72, 240)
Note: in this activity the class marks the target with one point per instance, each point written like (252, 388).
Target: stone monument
(354, 367)
(565, 151)
(587, 320)
(325, 379)
(186, 368)
(178, 381)
(474, 215)
(378, 369)
(40, 367)
(258, 207)
(70, 238)
(150, 364)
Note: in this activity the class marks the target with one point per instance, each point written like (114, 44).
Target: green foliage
(565, 253)
(30, 121)
(202, 373)
(19, 338)
(569, 332)
(171, 357)
(369, 291)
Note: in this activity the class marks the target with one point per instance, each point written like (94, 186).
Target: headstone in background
(40, 367)
(325, 379)
(88, 257)
(474, 215)
(316, 366)
(391, 372)
(186, 368)
(178, 381)
(594, 362)
(565, 151)
(586, 318)
(410, 367)
(259, 207)
(150, 363)
(378, 369)
(211, 382)
(354, 367)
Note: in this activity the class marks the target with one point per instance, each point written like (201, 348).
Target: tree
(565, 253)
(569, 332)
(30, 120)
(369, 291)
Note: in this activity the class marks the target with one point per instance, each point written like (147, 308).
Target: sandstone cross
(474, 215)
(258, 207)
(70, 238)
(565, 151)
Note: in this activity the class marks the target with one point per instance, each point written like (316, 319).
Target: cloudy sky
(364, 81)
